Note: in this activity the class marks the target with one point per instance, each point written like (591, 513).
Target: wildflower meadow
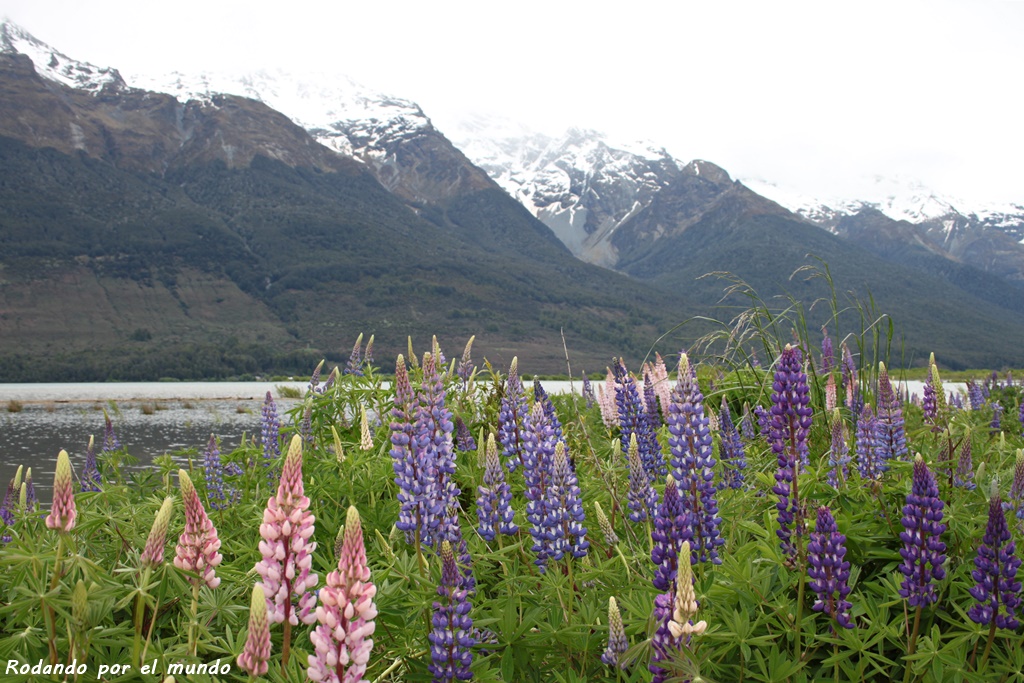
(785, 515)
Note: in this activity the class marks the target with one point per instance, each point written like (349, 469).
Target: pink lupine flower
(153, 554)
(345, 614)
(253, 659)
(198, 543)
(286, 546)
(62, 515)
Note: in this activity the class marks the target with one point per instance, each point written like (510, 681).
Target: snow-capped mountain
(55, 65)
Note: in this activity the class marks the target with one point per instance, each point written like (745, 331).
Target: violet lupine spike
(287, 548)
(404, 463)
(791, 421)
(368, 354)
(513, 417)
(996, 588)
(567, 507)
(674, 612)
(617, 642)
(538, 460)
(433, 447)
(964, 474)
(1017, 487)
(828, 570)
(30, 490)
(1020, 417)
(642, 497)
(633, 419)
(110, 441)
(923, 551)
(198, 544)
(865, 445)
(734, 456)
(63, 514)
(828, 354)
(346, 613)
(671, 527)
(494, 504)
(256, 652)
(314, 379)
(997, 417)
(651, 402)
(355, 359)
(213, 471)
(663, 643)
(764, 421)
(839, 453)
(270, 430)
(975, 396)
(747, 424)
(588, 391)
(692, 460)
(541, 396)
(451, 638)
(91, 479)
(153, 553)
(464, 440)
(466, 365)
(890, 434)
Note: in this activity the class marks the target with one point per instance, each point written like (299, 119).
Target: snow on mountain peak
(54, 65)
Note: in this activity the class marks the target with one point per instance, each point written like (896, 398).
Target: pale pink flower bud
(256, 652)
(153, 555)
(198, 543)
(62, 515)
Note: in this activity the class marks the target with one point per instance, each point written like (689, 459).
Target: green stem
(835, 653)
(988, 645)
(799, 615)
(193, 627)
(140, 609)
(913, 643)
(51, 625)
(286, 648)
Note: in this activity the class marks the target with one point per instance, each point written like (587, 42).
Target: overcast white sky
(812, 95)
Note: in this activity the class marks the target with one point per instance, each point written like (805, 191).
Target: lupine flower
(494, 505)
(588, 391)
(651, 402)
(213, 471)
(838, 455)
(512, 417)
(110, 441)
(764, 421)
(91, 474)
(662, 385)
(566, 507)
(791, 421)
(153, 553)
(606, 401)
(828, 354)
(865, 445)
(610, 537)
(1020, 417)
(854, 400)
(617, 643)
(198, 543)
(256, 652)
(828, 570)
(995, 573)
(672, 526)
(674, 612)
(538, 469)
(964, 475)
(755, 362)
(747, 424)
(464, 440)
(693, 462)
(355, 358)
(433, 448)
(974, 395)
(365, 440)
(997, 416)
(286, 546)
(734, 456)
(933, 393)
(345, 615)
(270, 428)
(923, 552)
(830, 394)
(642, 498)
(466, 365)
(7, 510)
(890, 435)
(540, 396)
(633, 419)
(451, 639)
(1017, 488)
(314, 379)
(306, 426)
(411, 475)
(368, 353)
(62, 515)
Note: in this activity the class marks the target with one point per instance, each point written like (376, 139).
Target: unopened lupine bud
(610, 537)
(62, 515)
(198, 544)
(617, 643)
(365, 440)
(256, 652)
(685, 605)
(153, 554)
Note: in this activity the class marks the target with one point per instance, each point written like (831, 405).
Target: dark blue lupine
(412, 475)
(494, 505)
(651, 402)
(839, 453)
(995, 573)
(791, 421)
(464, 440)
(634, 419)
(964, 474)
(734, 456)
(975, 395)
(10, 501)
(355, 359)
(451, 639)
(642, 499)
(538, 458)
(110, 441)
(929, 405)
(692, 460)
(865, 445)
(828, 569)
(890, 435)
(663, 644)
(567, 508)
(91, 479)
(923, 551)
(764, 421)
(671, 528)
(213, 472)
(513, 417)
(747, 424)
(432, 447)
(540, 396)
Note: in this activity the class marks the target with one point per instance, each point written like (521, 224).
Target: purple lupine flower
(513, 417)
(451, 639)
(975, 395)
(671, 527)
(538, 458)
(451, 531)
(864, 440)
(964, 475)
(567, 507)
(314, 387)
(663, 643)
(791, 421)
(933, 393)
(1020, 417)
(764, 420)
(355, 359)
(755, 362)
(270, 430)
(213, 471)
(854, 400)
(997, 417)
(411, 475)
(651, 402)
(198, 544)
(494, 505)
(693, 462)
(91, 478)
(634, 419)
(62, 515)
(890, 435)
(839, 453)
(588, 391)
(995, 573)
(7, 508)
(466, 365)
(541, 396)
(923, 551)
(673, 613)
(346, 613)
(734, 457)
(432, 446)
(828, 570)
(617, 643)
(642, 497)
(306, 426)
(110, 441)
(368, 354)
(1017, 487)
(464, 440)
(828, 354)
(30, 492)
(747, 424)
(287, 546)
